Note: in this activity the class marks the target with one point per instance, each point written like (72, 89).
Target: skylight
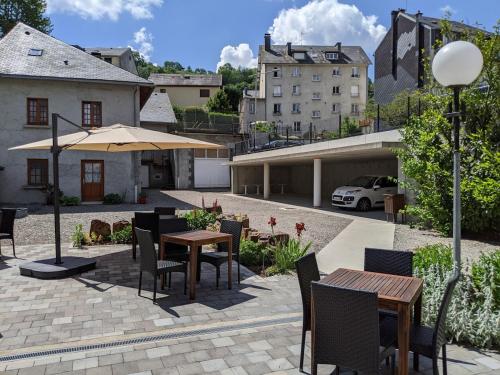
(35, 52)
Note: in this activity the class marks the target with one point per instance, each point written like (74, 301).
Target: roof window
(35, 52)
(299, 56)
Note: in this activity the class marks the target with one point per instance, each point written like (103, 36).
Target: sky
(208, 33)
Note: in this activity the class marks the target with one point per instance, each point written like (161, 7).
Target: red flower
(272, 221)
(299, 227)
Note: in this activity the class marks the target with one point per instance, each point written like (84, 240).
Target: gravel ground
(37, 228)
(411, 238)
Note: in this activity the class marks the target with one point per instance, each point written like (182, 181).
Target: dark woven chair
(345, 330)
(175, 252)
(220, 256)
(165, 212)
(151, 264)
(307, 272)
(389, 261)
(428, 341)
(7, 227)
(146, 221)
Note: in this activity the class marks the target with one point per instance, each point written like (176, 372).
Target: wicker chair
(165, 212)
(219, 257)
(175, 252)
(389, 261)
(345, 330)
(151, 264)
(428, 341)
(146, 221)
(7, 227)
(307, 272)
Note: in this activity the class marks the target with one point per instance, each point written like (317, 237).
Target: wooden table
(396, 293)
(195, 239)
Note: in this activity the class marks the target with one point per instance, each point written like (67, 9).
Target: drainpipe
(135, 154)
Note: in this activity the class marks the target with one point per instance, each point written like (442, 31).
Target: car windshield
(363, 181)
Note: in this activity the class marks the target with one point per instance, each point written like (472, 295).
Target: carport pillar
(267, 183)
(317, 183)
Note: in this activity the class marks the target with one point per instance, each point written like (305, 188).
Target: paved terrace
(252, 329)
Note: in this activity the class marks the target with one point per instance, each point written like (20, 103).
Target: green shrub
(122, 236)
(427, 256)
(69, 201)
(253, 254)
(200, 219)
(286, 254)
(486, 271)
(78, 236)
(112, 198)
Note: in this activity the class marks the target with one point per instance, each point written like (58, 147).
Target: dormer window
(332, 55)
(299, 56)
(35, 52)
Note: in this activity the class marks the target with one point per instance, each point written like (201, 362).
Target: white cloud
(99, 9)
(143, 41)
(240, 55)
(325, 22)
(448, 10)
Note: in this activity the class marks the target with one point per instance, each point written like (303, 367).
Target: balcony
(277, 94)
(355, 75)
(277, 113)
(297, 112)
(354, 94)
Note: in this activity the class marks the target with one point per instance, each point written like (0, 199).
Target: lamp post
(457, 65)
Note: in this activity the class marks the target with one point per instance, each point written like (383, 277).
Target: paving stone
(259, 345)
(213, 365)
(222, 341)
(86, 363)
(110, 359)
(158, 352)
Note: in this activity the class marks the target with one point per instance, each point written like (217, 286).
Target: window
(299, 56)
(211, 153)
(163, 91)
(276, 90)
(296, 90)
(316, 77)
(200, 153)
(204, 93)
(336, 107)
(108, 60)
(295, 71)
(92, 114)
(223, 153)
(251, 106)
(296, 108)
(38, 111)
(354, 90)
(355, 109)
(38, 172)
(35, 52)
(355, 72)
(316, 96)
(385, 182)
(332, 55)
(336, 90)
(316, 114)
(336, 71)
(296, 126)
(203, 153)
(277, 109)
(276, 72)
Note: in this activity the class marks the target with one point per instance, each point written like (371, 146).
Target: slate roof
(158, 109)
(435, 23)
(57, 61)
(314, 55)
(161, 79)
(107, 51)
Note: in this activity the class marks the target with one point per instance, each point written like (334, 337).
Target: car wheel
(364, 204)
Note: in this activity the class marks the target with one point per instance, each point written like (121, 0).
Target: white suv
(364, 192)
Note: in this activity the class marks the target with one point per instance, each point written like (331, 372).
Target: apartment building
(303, 85)
(120, 57)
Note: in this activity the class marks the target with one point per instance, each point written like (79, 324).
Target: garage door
(211, 169)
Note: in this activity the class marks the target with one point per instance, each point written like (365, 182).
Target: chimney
(289, 49)
(267, 42)
(339, 48)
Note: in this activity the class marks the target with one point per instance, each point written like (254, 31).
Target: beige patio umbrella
(119, 138)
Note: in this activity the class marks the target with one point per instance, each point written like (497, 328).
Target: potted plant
(142, 198)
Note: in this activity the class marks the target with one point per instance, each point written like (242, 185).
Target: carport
(316, 169)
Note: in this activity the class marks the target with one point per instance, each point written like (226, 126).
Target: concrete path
(347, 249)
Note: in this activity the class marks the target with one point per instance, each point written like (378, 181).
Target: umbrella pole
(55, 165)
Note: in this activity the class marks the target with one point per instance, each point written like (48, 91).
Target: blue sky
(195, 32)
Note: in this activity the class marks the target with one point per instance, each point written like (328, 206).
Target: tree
(235, 81)
(30, 12)
(219, 102)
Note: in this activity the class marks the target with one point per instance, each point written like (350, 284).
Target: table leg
(258, 189)
(193, 265)
(161, 256)
(417, 318)
(229, 263)
(403, 338)
(198, 266)
(282, 189)
(246, 190)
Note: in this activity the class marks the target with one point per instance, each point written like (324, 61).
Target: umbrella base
(47, 269)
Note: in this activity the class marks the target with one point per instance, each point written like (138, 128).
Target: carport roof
(362, 146)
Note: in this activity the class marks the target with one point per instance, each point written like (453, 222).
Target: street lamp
(457, 65)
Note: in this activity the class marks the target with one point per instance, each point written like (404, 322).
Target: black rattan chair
(146, 221)
(345, 330)
(165, 212)
(175, 252)
(151, 264)
(220, 256)
(7, 227)
(307, 271)
(428, 341)
(389, 261)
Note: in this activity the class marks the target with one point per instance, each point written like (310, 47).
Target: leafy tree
(427, 155)
(219, 102)
(235, 80)
(30, 12)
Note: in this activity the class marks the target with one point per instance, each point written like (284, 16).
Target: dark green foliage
(431, 255)
(69, 201)
(30, 12)
(486, 271)
(122, 236)
(200, 219)
(253, 254)
(219, 102)
(112, 198)
(235, 80)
